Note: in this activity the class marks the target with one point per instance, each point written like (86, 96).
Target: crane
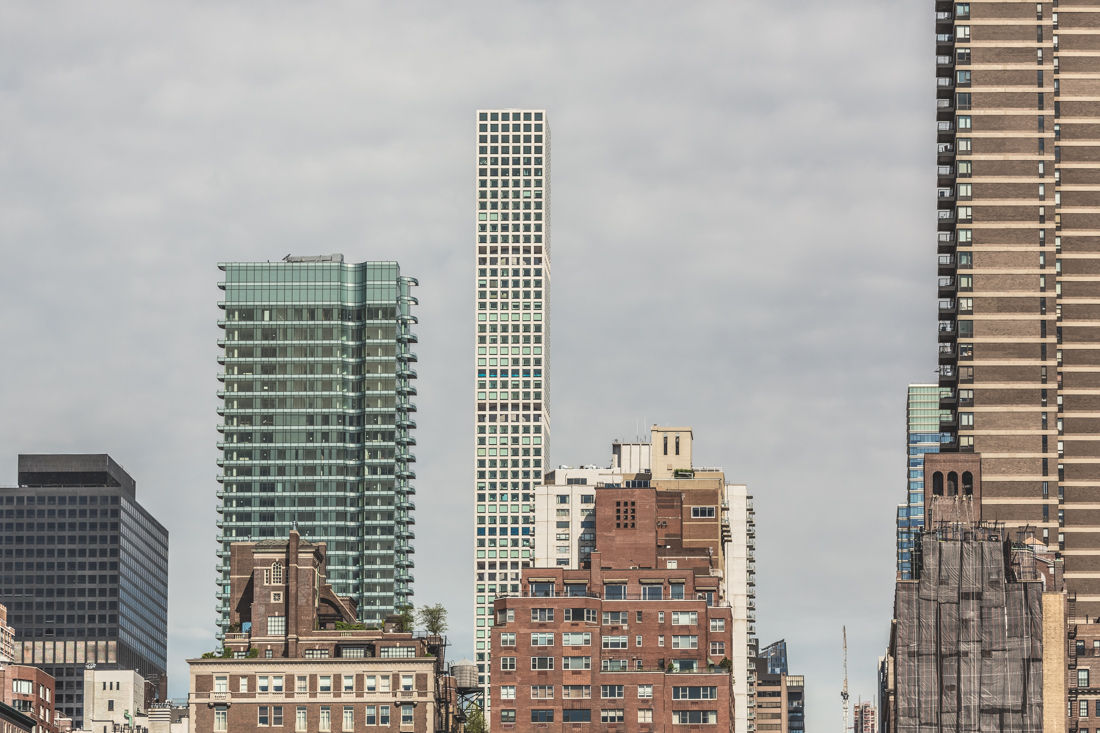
(844, 692)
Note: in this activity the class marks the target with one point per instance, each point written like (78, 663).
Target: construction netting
(969, 644)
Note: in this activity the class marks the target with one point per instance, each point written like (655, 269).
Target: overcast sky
(742, 242)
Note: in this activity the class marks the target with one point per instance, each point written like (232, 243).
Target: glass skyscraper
(85, 573)
(922, 435)
(512, 328)
(317, 428)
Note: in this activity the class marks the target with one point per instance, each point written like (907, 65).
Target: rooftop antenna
(844, 692)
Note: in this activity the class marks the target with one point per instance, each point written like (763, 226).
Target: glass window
(406, 682)
(614, 592)
(325, 723)
(542, 716)
(1083, 679)
(717, 624)
(508, 692)
(277, 715)
(611, 716)
(383, 715)
(301, 683)
(349, 718)
(507, 716)
(406, 715)
(349, 683)
(324, 683)
(677, 591)
(300, 719)
(695, 717)
(221, 717)
(576, 716)
(263, 717)
(276, 625)
(645, 691)
(645, 716)
(371, 682)
(370, 716)
(221, 684)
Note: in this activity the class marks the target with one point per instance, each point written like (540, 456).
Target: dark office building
(84, 573)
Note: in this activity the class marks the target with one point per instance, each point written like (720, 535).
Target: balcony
(945, 216)
(946, 283)
(947, 351)
(947, 305)
(942, 38)
(945, 171)
(943, 61)
(946, 261)
(945, 82)
(946, 150)
(946, 327)
(945, 194)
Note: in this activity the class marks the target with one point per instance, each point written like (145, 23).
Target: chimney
(292, 601)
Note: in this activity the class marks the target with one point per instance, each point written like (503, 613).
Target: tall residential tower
(923, 415)
(512, 329)
(317, 426)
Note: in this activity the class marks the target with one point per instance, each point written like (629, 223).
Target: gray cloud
(742, 242)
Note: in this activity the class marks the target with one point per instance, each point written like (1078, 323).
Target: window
(242, 684)
(638, 640)
(1083, 679)
(1082, 708)
(301, 683)
(645, 716)
(685, 618)
(26, 687)
(506, 617)
(384, 683)
(397, 652)
(221, 684)
(576, 638)
(263, 717)
(277, 573)
(542, 639)
(563, 498)
(542, 716)
(576, 716)
(370, 716)
(383, 715)
(349, 683)
(614, 592)
(508, 692)
(110, 704)
(615, 618)
(406, 715)
(276, 625)
(262, 684)
(508, 639)
(660, 640)
(717, 648)
(544, 590)
(653, 592)
(613, 665)
(508, 664)
(717, 624)
(695, 717)
(611, 716)
(637, 617)
(324, 683)
(694, 693)
(542, 614)
(645, 691)
(542, 692)
(542, 662)
(575, 589)
(611, 691)
(963, 122)
(221, 716)
(507, 716)
(277, 715)
(677, 591)
(406, 682)
(574, 663)
(349, 718)
(615, 642)
(370, 681)
(702, 512)
(576, 692)
(685, 642)
(300, 723)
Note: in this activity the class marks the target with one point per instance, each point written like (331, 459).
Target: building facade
(300, 660)
(317, 425)
(85, 573)
(780, 698)
(512, 386)
(923, 416)
(864, 718)
(7, 637)
(32, 692)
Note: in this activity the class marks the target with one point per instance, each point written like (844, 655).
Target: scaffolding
(968, 640)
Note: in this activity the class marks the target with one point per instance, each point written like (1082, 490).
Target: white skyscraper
(512, 433)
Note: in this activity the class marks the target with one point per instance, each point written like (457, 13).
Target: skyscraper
(317, 425)
(1017, 244)
(922, 435)
(85, 573)
(512, 327)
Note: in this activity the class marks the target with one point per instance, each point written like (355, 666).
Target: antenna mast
(844, 692)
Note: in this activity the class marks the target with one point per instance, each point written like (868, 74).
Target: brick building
(297, 658)
(30, 691)
(640, 638)
(7, 637)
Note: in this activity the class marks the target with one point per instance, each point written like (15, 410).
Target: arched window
(968, 483)
(937, 483)
(952, 484)
(666, 445)
(277, 573)
(677, 445)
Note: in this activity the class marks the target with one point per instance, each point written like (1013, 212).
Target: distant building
(864, 718)
(780, 697)
(298, 658)
(122, 700)
(695, 512)
(775, 656)
(13, 721)
(7, 637)
(85, 573)
(317, 429)
(922, 436)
